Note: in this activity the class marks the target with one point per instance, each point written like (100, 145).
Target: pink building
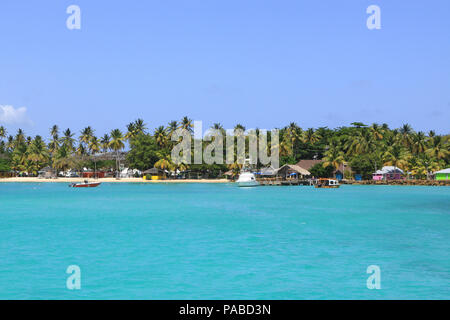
(389, 173)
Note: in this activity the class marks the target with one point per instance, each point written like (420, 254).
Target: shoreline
(109, 180)
(214, 181)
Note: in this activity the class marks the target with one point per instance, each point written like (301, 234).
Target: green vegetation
(363, 148)
(320, 171)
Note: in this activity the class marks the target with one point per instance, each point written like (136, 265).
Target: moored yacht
(247, 179)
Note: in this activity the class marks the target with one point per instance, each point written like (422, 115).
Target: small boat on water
(327, 183)
(84, 184)
(247, 179)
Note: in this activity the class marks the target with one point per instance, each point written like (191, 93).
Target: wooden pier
(287, 182)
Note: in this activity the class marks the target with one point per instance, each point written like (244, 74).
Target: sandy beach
(114, 180)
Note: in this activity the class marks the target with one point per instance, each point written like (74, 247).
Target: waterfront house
(292, 171)
(339, 173)
(442, 174)
(388, 173)
(47, 173)
(93, 174)
(153, 174)
(308, 163)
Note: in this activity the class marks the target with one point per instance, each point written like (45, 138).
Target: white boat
(247, 179)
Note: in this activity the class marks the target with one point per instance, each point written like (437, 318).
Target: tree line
(364, 148)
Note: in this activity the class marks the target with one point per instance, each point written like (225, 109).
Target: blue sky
(259, 63)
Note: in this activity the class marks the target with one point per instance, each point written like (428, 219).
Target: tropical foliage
(363, 148)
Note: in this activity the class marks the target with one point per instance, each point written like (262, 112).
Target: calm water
(203, 241)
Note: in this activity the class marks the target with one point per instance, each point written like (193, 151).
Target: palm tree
(161, 136)
(94, 147)
(333, 157)
(418, 142)
(81, 150)
(310, 136)
(362, 142)
(2, 132)
(140, 126)
(116, 144)
(285, 147)
(377, 131)
(68, 140)
(131, 131)
(172, 126)
(10, 144)
(424, 166)
(105, 142)
(54, 131)
(19, 156)
(86, 136)
(53, 145)
(2, 136)
(63, 159)
(406, 132)
(19, 138)
(164, 162)
(186, 124)
(235, 168)
(239, 127)
(438, 149)
(294, 134)
(217, 127)
(396, 156)
(358, 125)
(38, 152)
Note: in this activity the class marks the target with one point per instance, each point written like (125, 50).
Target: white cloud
(12, 116)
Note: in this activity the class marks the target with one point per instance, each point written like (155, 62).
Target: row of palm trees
(31, 154)
(415, 152)
(64, 150)
(378, 145)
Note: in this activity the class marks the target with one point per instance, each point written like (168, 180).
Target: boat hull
(327, 187)
(86, 185)
(247, 183)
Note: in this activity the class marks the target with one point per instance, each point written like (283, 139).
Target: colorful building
(442, 174)
(339, 173)
(388, 173)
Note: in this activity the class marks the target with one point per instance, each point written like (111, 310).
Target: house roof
(443, 171)
(153, 171)
(389, 169)
(308, 164)
(295, 168)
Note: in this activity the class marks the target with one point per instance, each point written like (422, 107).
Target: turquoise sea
(218, 241)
